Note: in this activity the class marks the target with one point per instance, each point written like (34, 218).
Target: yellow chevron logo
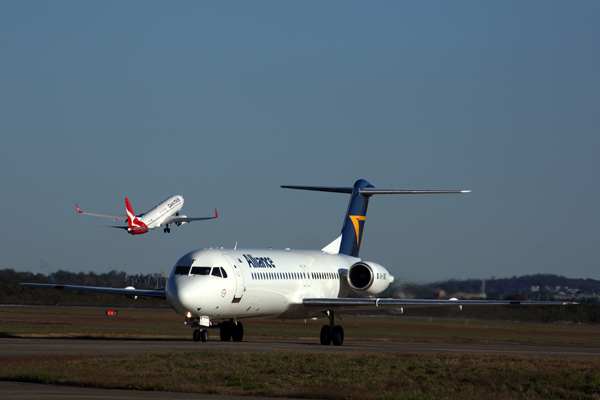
(355, 219)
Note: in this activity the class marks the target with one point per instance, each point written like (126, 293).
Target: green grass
(316, 375)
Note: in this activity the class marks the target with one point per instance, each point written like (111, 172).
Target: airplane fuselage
(156, 216)
(258, 283)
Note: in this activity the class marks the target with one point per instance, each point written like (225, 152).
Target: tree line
(12, 293)
(517, 288)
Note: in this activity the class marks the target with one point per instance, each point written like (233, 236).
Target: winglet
(78, 210)
(216, 215)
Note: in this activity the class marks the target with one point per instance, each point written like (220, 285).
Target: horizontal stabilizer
(369, 191)
(321, 188)
(360, 193)
(135, 229)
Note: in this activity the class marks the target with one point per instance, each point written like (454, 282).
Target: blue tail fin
(354, 222)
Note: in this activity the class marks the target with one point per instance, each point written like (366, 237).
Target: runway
(11, 347)
(17, 347)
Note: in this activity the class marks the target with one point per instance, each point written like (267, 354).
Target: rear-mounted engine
(369, 278)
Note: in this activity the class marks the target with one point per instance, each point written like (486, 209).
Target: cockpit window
(201, 270)
(182, 270)
(223, 272)
(216, 272)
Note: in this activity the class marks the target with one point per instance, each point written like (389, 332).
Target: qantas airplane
(230, 285)
(166, 213)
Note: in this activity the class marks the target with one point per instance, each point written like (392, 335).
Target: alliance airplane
(166, 213)
(230, 285)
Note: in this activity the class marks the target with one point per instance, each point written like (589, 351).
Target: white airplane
(166, 213)
(230, 285)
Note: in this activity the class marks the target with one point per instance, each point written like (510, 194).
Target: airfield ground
(381, 357)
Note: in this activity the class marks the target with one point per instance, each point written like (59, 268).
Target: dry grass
(308, 375)
(72, 322)
(312, 375)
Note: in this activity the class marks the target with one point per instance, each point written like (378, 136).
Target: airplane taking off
(233, 284)
(166, 213)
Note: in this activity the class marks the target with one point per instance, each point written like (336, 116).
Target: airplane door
(305, 275)
(238, 276)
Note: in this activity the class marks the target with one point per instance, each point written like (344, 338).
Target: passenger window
(182, 270)
(201, 270)
(216, 272)
(223, 273)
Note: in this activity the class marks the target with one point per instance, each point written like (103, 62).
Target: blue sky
(223, 102)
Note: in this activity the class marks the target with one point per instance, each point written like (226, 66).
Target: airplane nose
(181, 295)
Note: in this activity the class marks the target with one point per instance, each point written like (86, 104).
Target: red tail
(136, 226)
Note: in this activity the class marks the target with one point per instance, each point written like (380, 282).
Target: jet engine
(369, 278)
(181, 223)
(131, 288)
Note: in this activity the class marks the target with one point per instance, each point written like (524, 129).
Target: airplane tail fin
(135, 225)
(354, 220)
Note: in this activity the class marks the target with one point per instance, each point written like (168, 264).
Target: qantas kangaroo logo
(134, 223)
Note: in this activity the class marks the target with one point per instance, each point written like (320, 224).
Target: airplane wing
(111, 216)
(177, 220)
(128, 292)
(370, 303)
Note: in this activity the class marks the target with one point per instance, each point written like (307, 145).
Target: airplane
(165, 213)
(231, 285)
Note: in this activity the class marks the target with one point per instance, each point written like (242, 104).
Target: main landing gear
(231, 330)
(330, 333)
(167, 229)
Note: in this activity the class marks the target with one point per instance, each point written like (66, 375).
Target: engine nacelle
(131, 288)
(369, 278)
(181, 223)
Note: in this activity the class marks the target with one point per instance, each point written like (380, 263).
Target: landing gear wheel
(204, 335)
(225, 332)
(338, 335)
(237, 332)
(196, 335)
(326, 335)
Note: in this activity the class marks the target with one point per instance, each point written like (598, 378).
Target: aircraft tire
(325, 335)
(225, 332)
(204, 335)
(237, 332)
(196, 335)
(338, 335)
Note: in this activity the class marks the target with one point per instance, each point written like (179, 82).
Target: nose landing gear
(200, 335)
(332, 333)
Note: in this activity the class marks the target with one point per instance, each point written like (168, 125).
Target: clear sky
(223, 102)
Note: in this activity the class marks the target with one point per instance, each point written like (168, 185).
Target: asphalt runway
(17, 347)
(10, 347)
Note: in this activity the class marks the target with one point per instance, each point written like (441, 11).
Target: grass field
(70, 322)
(351, 375)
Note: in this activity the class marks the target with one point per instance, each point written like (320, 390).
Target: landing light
(189, 315)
